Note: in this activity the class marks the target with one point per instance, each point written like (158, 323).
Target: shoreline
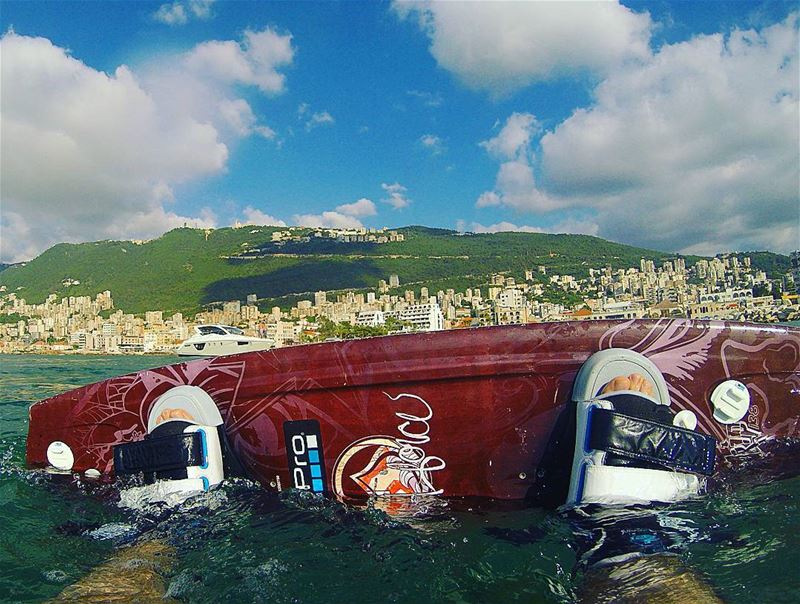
(165, 353)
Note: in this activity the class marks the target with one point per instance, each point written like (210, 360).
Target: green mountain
(186, 269)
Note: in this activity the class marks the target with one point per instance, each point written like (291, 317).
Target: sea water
(241, 544)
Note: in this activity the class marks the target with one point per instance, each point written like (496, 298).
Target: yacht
(220, 340)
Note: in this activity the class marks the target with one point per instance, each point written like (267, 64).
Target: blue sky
(671, 125)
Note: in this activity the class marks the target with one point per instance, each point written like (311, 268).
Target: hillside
(187, 268)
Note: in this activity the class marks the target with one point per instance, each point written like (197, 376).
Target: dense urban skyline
(668, 125)
(720, 288)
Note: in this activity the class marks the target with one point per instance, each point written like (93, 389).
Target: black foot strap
(652, 442)
(173, 452)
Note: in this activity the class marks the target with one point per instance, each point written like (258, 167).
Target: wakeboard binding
(630, 446)
(183, 451)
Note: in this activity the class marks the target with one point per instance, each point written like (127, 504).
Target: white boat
(220, 340)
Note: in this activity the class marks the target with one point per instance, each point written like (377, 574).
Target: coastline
(165, 353)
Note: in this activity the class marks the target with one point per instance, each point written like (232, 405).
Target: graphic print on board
(393, 465)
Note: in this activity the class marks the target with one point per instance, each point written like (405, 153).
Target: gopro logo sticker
(304, 455)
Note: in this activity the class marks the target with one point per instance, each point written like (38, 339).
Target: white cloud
(25, 244)
(321, 118)
(432, 143)
(171, 14)
(513, 141)
(695, 150)
(239, 116)
(206, 81)
(516, 188)
(346, 216)
(252, 62)
(330, 220)
(503, 46)
(201, 8)
(515, 185)
(397, 196)
(88, 155)
(580, 227)
(142, 222)
(362, 207)
(259, 218)
(315, 119)
(179, 13)
(488, 198)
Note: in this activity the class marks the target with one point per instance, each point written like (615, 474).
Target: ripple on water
(55, 576)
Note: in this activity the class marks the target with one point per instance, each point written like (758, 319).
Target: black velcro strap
(652, 442)
(159, 454)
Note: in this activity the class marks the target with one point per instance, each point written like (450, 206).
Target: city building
(725, 287)
(422, 317)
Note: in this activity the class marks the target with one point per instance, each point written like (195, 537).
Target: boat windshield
(234, 330)
(208, 330)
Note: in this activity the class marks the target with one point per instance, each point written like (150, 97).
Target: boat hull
(221, 347)
(457, 413)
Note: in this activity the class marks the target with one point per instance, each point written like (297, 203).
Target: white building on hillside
(423, 317)
(510, 307)
(619, 310)
(370, 318)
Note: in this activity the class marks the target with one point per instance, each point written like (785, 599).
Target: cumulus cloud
(579, 227)
(397, 196)
(360, 208)
(207, 81)
(328, 220)
(201, 8)
(115, 145)
(346, 216)
(143, 220)
(171, 14)
(502, 46)
(488, 198)
(239, 116)
(179, 13)
(432, 143)
(515, 185)
(694, 150)
(252, 62)
(514, 139)
(26, 241)
(259, 218)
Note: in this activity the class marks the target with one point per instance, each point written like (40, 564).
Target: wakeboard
(455, 413)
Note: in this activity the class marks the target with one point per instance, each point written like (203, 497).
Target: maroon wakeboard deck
(456, 413)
